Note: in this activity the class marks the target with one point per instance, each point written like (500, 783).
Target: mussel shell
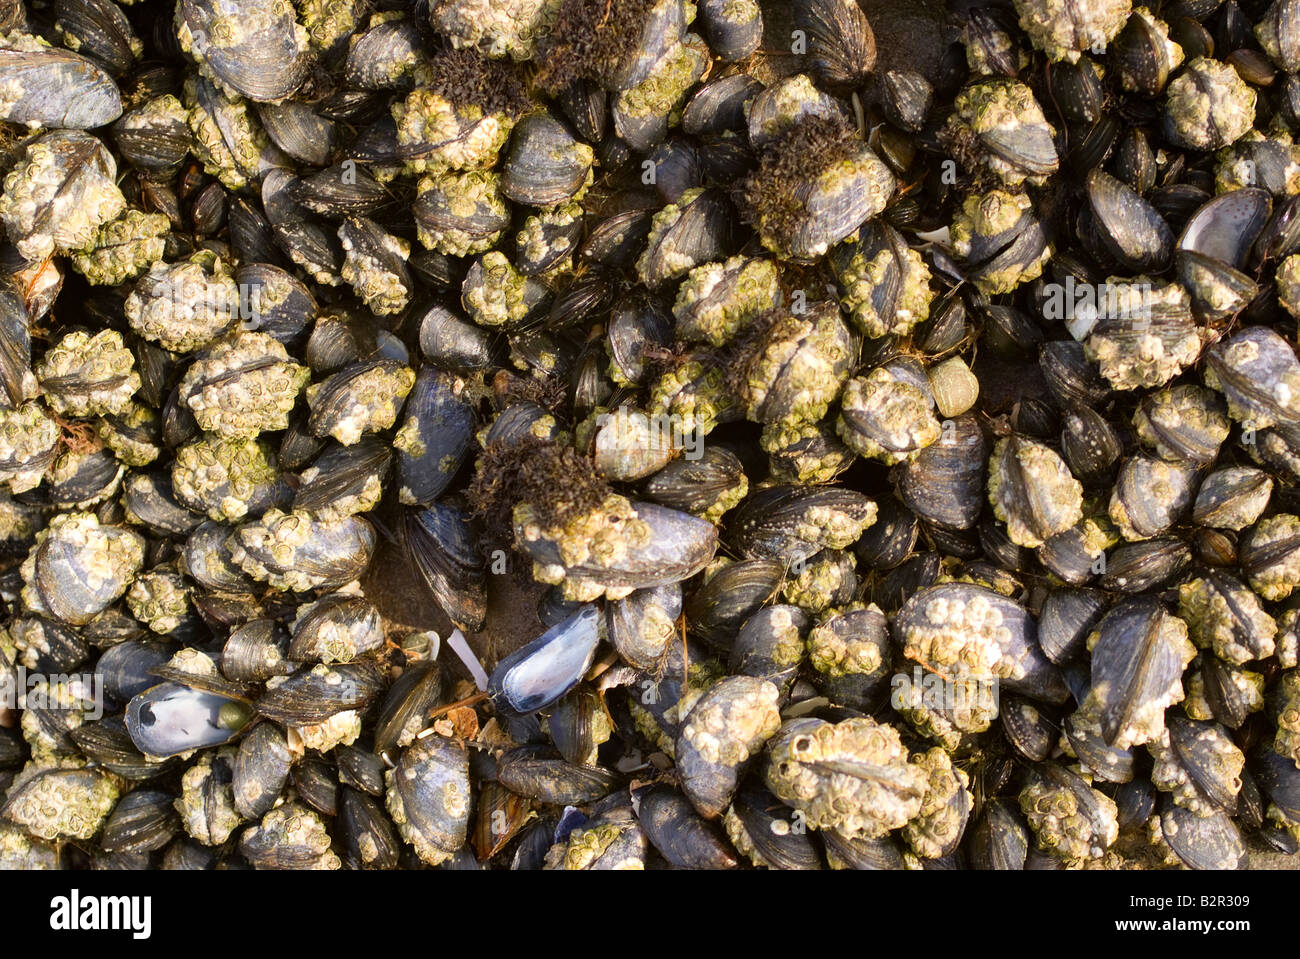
(1017, 637)
(319, 625)
(763, 645)
(1137, 567)
(169, 719)
(314, 694)
(142, 821)
(367, 837)
(298, 130)
(150, 499)
(343, 472)
(1131, 228)
(640, 626)
(775, 839)
(944, 483)
(542, 166)
(436, 436)
(442, 545)
(57, 88)
(769, 524)
(1133, 662)
(406, 705)
(276, 302)
(452, 343)
(429, 794)
(999, 839)
(108, 743)
(840, 41)
(1225, 228)
(678, 546)
(537, 773)
(261, 769)
(684, 839)
(540, 672)
(1203, 842)
(125, 669)
(1066, 618)
(266, 61)
(256, 651)
(717, 609)
(718, 105)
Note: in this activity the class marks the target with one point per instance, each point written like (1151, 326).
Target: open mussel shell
(1226, 227)
(540, 672)
(172, 718)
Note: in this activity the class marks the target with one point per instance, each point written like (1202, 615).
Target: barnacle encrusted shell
(207, 801)
(1032, 491)
(804, 771)
(225, 477)
(59, 194)
(242, 385)
(1208, 106)
(1068, 825)
(85, 375)
(62, 803)
(160, 600)
(297, 830)
(27, 439)
(124, 248)
(1065, 30)
(99, 560)
(184, 306)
